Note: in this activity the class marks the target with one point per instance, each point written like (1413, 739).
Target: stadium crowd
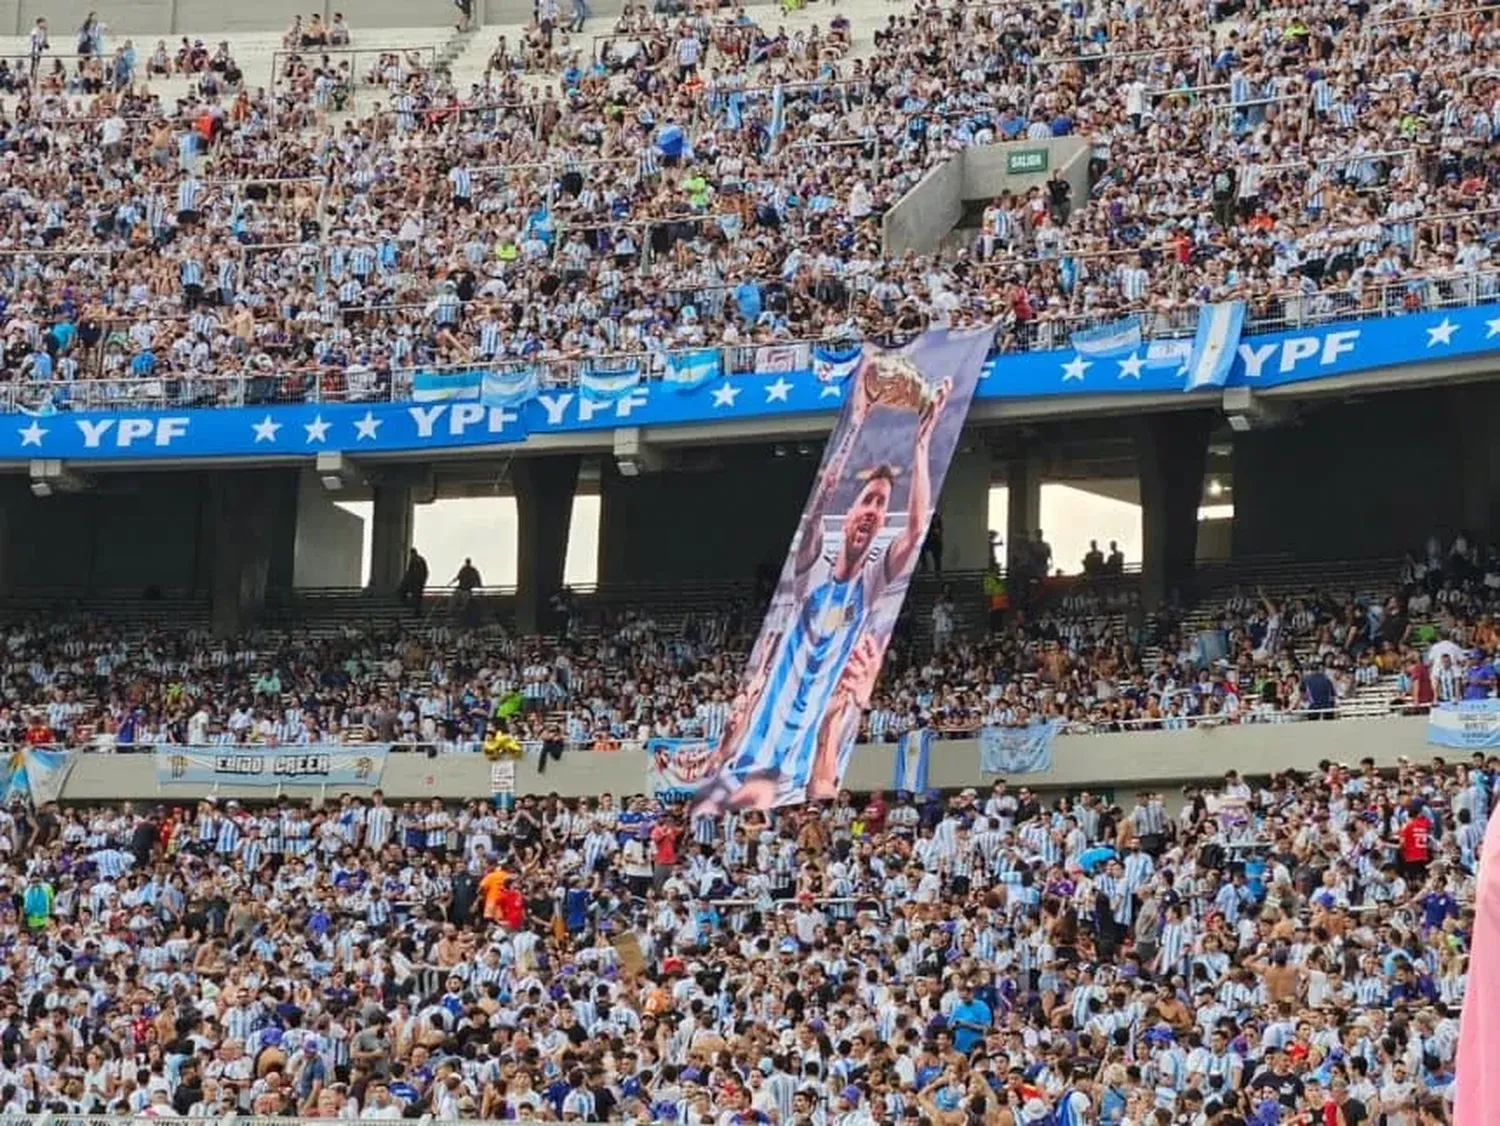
(1082, 652)
(1292, 952)
(711, 179)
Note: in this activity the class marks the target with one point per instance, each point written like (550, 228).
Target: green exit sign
(1026, 161)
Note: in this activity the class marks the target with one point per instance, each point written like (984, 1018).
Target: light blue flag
(607, 385)
(778, 111)
(687, 371)
(445, 386)
(734, 110)
(1017, 750)
(834, 363)
(1219, 328)
(510, 387)
(913, 756)
(1172, 354)
(1118, 338)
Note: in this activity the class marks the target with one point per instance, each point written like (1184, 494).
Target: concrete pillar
(329, 541)
(1023, 485)
(544, 513)
(249, 513)
(390, 538)
(1172, 452)
(965, 508)
(1471, 409)
(614, 524)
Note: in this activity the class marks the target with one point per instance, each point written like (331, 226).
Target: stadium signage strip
(1261, 361)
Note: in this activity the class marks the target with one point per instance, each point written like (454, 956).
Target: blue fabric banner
(1117, 338)
(1017, 750)
(834, 363)
(34, 775)
(510, 388)
(687, 371)
(793, 722)
(1219, 328)
(350, 767)
(445, 386)
(605, 385)
(675, 768)
(1466, 725)
(913, 757)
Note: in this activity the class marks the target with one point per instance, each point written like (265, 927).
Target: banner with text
(793, 722)
(675, 768)
(1466, 725)
(353, 767)
(1017, 750)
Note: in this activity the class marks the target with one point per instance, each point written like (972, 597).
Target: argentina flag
(605, 385)
(1174, 354)
(445, 386)
(834, 363)
(687, 371)
(913, 755)
(734, 110)
(510, 387)
(1219, 328)
(1118, 338)
(778, 111)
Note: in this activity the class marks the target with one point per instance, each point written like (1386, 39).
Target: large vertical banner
(793, 724)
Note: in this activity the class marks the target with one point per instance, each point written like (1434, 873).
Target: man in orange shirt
(491, 886)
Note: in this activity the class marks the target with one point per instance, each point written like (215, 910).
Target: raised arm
(919, 504)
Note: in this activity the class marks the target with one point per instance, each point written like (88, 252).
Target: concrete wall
(1318, 488)
(133, 531)
(330, 542)
(920, 219)
(1159, 759)
(717, 524)
(965, 507)
(207, 17)
(986, 172)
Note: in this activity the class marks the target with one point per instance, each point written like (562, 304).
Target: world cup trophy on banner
(893, 380)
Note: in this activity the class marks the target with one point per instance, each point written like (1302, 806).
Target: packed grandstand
(184, 227)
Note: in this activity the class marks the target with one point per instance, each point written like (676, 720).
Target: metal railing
(383, 383)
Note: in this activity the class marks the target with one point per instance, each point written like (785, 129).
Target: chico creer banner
(794, 721)
(352, 767)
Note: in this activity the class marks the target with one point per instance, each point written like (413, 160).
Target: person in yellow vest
(997, 594)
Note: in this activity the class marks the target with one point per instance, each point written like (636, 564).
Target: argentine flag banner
(1118, 338)
(510, 388)
(605, 385)
(445, 386)
(1219, 328)
(687, 371)
(912, 760)
(834, 363)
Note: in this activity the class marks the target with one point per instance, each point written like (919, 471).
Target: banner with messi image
(793, 723)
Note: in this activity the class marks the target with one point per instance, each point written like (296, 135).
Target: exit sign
(1025, 161)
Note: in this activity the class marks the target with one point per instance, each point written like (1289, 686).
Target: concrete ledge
(1160, 759)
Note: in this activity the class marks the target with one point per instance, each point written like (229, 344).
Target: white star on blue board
(831, 391)
(777, 392)
(724, 395)
(317, 429)
(265, 430)
(1130, 366)
(1441, 333)
(1075, 368)
(32, 435)
(1494, 328)
(366, 427)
